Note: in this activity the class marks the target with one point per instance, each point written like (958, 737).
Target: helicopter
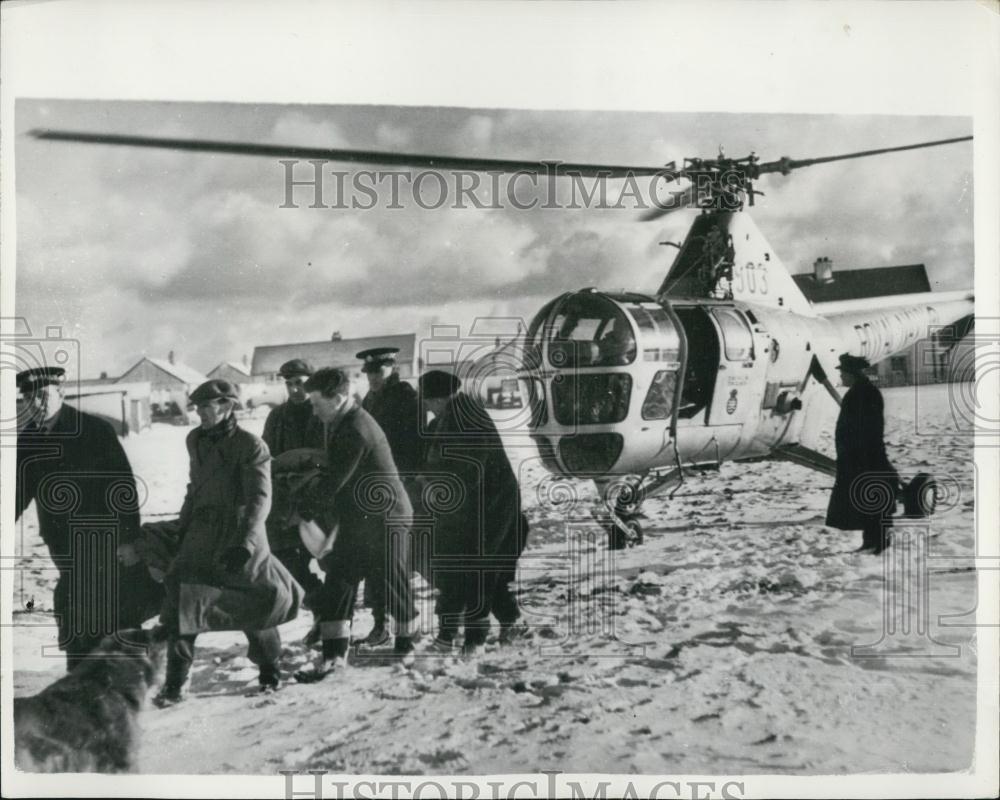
(726, 362)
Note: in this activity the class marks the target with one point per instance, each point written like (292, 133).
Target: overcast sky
(136, 251)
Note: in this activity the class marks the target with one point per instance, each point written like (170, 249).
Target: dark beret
(36, 377)
(295, 367)
(438, 383)
(215, 390)
(853, 364)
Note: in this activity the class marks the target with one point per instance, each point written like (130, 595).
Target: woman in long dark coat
(482, 535)
(864, 492)
(224, 576)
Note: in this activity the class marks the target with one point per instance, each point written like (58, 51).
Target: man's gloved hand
(235, 558)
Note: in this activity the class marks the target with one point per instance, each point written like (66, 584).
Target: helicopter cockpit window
(659, 339)
(736, 336)
(591, 399)
(533, 340)
(590, 331)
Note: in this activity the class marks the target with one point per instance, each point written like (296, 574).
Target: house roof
(232, 365)
(856, 284)
(268, 358)
(182, 372)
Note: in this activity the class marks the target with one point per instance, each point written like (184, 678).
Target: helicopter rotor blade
(678, 202)
(786, 165)
(352, 156)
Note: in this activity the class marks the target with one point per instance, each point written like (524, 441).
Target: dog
(87, 720)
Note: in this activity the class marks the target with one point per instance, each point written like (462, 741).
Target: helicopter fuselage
(623, 384)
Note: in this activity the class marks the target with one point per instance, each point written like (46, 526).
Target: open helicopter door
(719, 392)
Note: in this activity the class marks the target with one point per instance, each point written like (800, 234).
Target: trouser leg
(478, 590)
(450, 603)
(264, 651)
(398, 593)
(265, 646)
(504, 605)
(882, 535)
(871, 534)
(375, 592)
(335, 607)
(180, 657)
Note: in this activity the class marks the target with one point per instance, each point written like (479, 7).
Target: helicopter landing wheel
(628, 534)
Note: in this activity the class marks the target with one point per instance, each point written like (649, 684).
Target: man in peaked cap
(73, 467)
(393, 404)
(291, 426)
(865, 488)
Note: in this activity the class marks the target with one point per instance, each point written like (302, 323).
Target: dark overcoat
(227, 503)
(85, 496)
(395, 408)
(865, 487)
(290, 426)
(359, 492)
(470, 487)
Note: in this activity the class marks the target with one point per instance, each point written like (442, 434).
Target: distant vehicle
(506, 395)
(269, 395)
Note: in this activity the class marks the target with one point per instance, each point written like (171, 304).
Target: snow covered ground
(742, 637)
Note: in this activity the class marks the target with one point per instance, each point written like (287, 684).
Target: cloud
(151, 251)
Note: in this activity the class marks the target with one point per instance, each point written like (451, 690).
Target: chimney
(170, 357)
(246, 362)
(104, 376)
(335, 336)
(823, 270)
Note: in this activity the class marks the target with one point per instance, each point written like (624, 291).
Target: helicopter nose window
(591, 399)
(590, 331)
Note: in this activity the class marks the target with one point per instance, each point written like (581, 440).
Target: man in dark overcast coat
(73, 467)
(866, 485)
(393, 404)
(482, 537)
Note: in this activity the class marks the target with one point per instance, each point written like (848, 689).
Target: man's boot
(269, 678)
(180, 655)
(336, 642)
(403, 645)
(379, 634)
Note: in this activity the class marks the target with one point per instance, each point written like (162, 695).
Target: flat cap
(438, 383)
(376, 357)
(36, 377)
(295, 367)
(215, 390)
(853, 364)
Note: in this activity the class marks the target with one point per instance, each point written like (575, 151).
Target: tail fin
(726, 256)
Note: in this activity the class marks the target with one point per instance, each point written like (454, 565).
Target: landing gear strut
(623, 500)
(624, 533)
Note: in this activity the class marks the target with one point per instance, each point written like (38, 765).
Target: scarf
(219, 431)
